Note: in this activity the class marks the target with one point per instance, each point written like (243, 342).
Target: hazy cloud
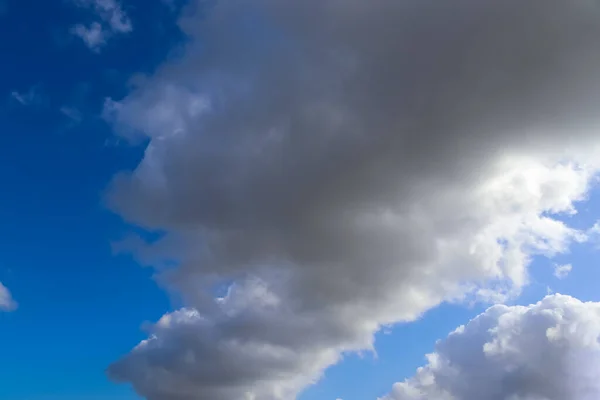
(94, 36)
(6, 301)
(112, 21)
(31, 97)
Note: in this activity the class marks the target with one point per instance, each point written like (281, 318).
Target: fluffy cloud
(113, 21)
(547, 351)
(340, 166)
(6, 301)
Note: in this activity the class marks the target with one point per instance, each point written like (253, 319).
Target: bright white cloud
(562, 271)
(546, 351)
(113, 21)
(349, 166)
(6, 301)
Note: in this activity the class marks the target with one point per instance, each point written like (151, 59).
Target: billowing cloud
(112, 21)
(6, 301)
(340, 166)
(547, 351)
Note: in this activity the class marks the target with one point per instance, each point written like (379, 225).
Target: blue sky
(56, 254)
(81, 307)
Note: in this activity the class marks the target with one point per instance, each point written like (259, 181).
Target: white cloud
(562, 271)
(546, 351)
(113, 21)
(6, 301)
(349, 166)
(593, 234)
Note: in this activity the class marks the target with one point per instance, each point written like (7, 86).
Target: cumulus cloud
(112, 21)
(546, 351)
(6, 301)
(562, 271)
(340, 166)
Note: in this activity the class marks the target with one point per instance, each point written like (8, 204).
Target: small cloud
(6, 301)
(112, 21)
(593, 233)
(28, 98)
(562, 271)
(94, 36)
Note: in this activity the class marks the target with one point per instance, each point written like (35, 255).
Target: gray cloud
(546, 351)
(7, 303)
(340, 166)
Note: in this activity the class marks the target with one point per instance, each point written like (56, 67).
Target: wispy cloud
(71, 113)
(28, 98)
(93, 35)
(562, 271)
(7, 303)
(112, 21)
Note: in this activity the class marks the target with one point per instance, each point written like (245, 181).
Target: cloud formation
(6, 301)
(113, 21)
(546, 351)
(562, 271)
(339, 166)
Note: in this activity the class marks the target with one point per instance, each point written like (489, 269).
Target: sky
(283, 199)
